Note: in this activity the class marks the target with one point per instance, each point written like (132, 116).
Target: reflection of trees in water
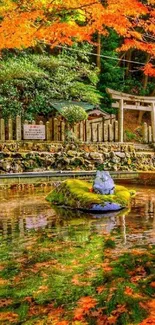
(21, 216)
(140, 221)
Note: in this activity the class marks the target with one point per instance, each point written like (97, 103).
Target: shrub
(74, 114)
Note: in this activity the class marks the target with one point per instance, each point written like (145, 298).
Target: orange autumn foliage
(149, 70)
(148, 321)
(8, 316)
(55, 22)
(84, 305)
(25, 22)
(63, 322)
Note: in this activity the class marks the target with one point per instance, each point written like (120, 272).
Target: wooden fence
(95, 130)
(147, 133)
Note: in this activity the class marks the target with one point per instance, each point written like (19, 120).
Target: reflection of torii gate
(139, 103)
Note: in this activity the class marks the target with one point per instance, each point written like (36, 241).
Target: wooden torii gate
(125, 101)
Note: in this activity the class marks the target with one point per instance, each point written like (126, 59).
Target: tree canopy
(25, 22)
(30, 82)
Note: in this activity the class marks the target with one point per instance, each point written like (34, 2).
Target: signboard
(33, 132)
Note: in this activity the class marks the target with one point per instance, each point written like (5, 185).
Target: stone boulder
(103, 183)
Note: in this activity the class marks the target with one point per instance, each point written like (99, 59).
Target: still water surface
(23, 212)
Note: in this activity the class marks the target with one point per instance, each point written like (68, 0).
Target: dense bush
(29, 83)
(74, 114)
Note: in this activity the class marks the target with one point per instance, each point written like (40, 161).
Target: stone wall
(40, 156)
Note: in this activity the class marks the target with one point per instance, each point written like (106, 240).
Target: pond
(65, 267)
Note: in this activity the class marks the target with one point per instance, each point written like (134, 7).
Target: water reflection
(25, 212)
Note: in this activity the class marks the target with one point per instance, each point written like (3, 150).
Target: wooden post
(105, 132)
(81, 133)
(33, 122)
(145, 133)
(75, 130)
(51, 127)
(120, 121)
(98, 59)
(48, 133)
(100, 132)
(92, 132)
(153, 122)
(55, 129)
(62, 131)
(150, 134)
(18, 128)
(116, 131)
(95, 130)
(88, 131)
(110, 133)
(2, 129)
(10, 129)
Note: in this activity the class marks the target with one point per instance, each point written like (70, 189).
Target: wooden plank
(56, 129)
(133, 107)
(120, 95)
(116, 131)
(145, 133)
(88, 131)
(105, 132)
(153, 122)
(110, 133)
(120, 121)
(96, 120)
(81, 131)
(18, 128)
(2, 129)
(48, 133)
(62, 130)
(10, 129)
(150, 134)
(100, 132)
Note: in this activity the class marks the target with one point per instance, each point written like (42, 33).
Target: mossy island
(78, 194)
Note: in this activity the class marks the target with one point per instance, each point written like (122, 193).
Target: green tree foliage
(74, 114)
(30, 82)
(119, 72)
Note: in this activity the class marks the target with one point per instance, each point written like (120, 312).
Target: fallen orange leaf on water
(5, 302)
(151, 304)
(106, 267)
(100, 289)
(152, 284)
(87, 302)
(148, 321)
(63, 322)
(9, 316)
(78, 314)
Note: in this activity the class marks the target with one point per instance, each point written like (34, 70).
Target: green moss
(109, 243)
(77, 193)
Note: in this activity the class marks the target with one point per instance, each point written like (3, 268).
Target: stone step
(143, 147)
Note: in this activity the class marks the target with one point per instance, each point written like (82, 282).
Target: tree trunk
(98, 60)
(128, 66)
(145, 82)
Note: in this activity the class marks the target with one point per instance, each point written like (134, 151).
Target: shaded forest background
(32, 78)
